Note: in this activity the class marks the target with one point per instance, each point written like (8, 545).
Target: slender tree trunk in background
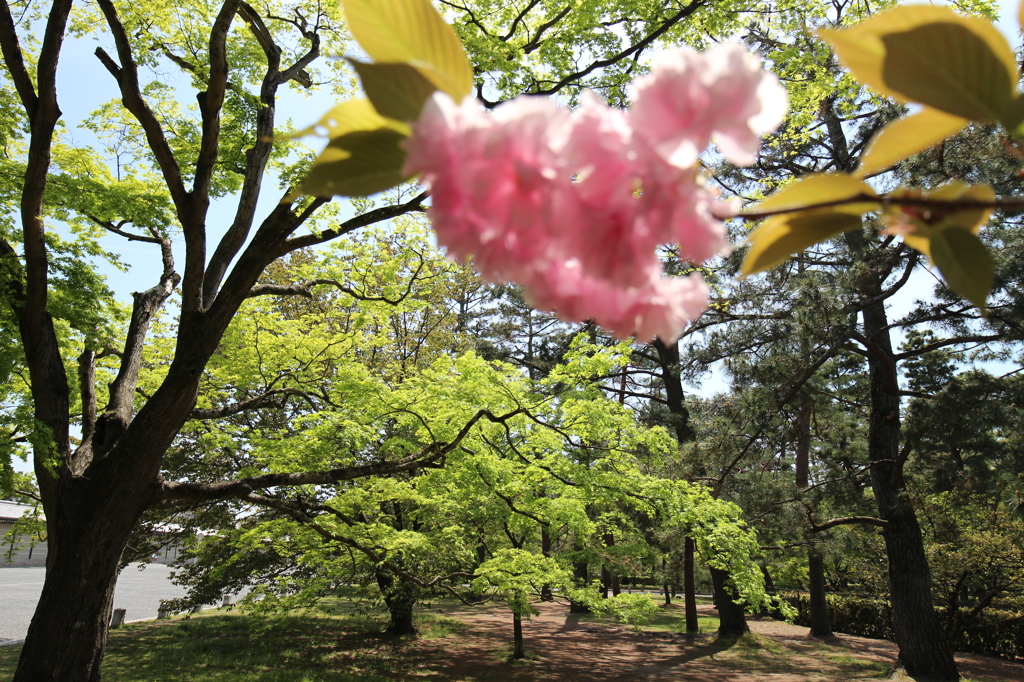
(820, 625)
(820, 621)
(769, 588)
(581, 576)
(517, 637)
(606, 581)
(668, 357)
(609, 579)
(924, 650)
(689, 587)
(731, 620)
(545, 549)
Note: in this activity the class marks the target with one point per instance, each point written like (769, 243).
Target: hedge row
(994, 632)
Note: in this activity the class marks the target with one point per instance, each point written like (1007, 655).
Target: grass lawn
(458, 643)
(223, 646)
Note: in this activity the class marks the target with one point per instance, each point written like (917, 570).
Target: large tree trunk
(924, 650)
(400, 597)
(88, 525)
(731, 620)
(820, 625)
(689, 587)
(81, 570)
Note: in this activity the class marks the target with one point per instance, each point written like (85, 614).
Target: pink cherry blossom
(573, 206)
(690, 96)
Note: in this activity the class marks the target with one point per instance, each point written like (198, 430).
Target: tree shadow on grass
(704, 651)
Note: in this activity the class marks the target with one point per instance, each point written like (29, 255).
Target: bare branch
(266, 399)
(850, 520)
(87, 384)
(14, 60)
(127, 77)
(635, 48)
(258, 156)
(1010, 206)
(116, 229)
(30, 289)
(210, 104)
(306, 289)
(364, 220)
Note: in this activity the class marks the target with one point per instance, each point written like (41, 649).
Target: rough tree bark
(94, 493)
(668, 359)
(400, 597)
(731, 620)
(924, 650)
(820, 626)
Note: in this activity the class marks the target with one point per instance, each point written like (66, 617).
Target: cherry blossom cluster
(573, 205)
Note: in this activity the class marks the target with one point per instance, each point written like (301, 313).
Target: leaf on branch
(349, 116)
(965, 264)
(932, 55)
(908, 136)
(364, 155)
(396, 91)
(411, 32)
(948, 236)
(792, 231)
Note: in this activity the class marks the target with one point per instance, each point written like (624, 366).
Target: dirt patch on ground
(560, 646)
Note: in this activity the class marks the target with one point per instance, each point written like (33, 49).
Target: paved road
(137, 591)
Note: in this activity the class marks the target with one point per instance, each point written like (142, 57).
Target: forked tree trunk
(924, 650)
(731, 620)
(689, 587)
(820, 625)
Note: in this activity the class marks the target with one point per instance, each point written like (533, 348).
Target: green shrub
(994, 632)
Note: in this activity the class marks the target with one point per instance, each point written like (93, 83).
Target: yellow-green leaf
(918, 224)
(970, 219)
(965, 264)
(818, 189)
(349, 116)
(358, 163)
(932, 55)
(782, 236)
(411, 32)
(364, 155)
(908, 136)
(396, 91)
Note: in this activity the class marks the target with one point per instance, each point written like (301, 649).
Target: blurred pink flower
(573, 206)
(690, 96)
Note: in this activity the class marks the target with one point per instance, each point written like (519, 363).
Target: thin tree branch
(430, 456)
(364, 220)
(850, 520)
